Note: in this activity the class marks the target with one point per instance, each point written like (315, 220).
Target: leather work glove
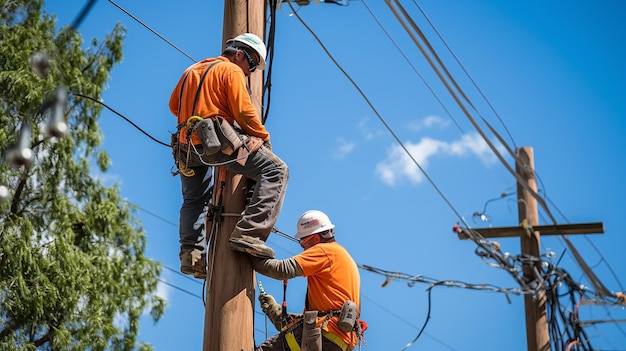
(254, 143)
(272, 309)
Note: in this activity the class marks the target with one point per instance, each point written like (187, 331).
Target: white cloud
(368, 134)
(472, 144)
(399, 165)
(429, 122)
(107, 179)
(163, 291)
(344, 148)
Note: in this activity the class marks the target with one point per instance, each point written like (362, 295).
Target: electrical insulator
(4, 193)
(20, 154)
(57, 127)
(40, 64)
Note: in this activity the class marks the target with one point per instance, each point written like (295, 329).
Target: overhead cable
(382, 120)
(475, 236)
(430, 289)
(152, 30)
(122, 116)
(595, 281)
(519, 178)
(83, 13)
(465, 70)
(406, 58)
(412, 280)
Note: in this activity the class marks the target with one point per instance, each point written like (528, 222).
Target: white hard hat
(253, 42)
(313, 222)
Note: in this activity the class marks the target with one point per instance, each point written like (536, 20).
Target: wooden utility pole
(229, 310)
(537, 335)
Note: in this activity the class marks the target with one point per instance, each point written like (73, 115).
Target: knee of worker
(285, 172)
(277, 173)
(278, 165)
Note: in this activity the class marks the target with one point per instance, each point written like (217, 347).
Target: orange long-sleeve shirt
(224, 92)
(332, 278)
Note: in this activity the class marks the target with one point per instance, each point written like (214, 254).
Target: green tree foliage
(73, 275)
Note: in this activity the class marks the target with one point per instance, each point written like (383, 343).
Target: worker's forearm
(277, 269)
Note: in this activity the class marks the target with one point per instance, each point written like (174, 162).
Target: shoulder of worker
(201, 65)
(228, 64)
(225, 66)
(206, 62)
(332, 246)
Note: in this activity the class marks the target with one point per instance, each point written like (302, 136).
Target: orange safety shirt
(332, 278)
(224, 93)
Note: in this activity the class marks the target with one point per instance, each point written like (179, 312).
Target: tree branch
(18, 191)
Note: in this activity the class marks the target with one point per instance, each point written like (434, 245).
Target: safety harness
(190, 123)
(296, 323)
(290, 325)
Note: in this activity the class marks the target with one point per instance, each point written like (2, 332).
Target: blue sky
(553, 71)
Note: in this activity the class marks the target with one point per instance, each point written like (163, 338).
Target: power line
(442, 72)
(152, 30)
(413, 67)
(390, 312)
(181, 289)
(425, 322)
(465, 70)
(158, 217)
(382, 120)
(389, 276)
(83, 13)
(179, 273)
(482, 94)
(122, 116)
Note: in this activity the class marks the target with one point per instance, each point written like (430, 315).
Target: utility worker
(212, 97)
(333, 282)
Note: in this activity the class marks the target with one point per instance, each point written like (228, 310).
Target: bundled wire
(412, 280)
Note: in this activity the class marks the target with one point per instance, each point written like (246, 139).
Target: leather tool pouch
(347, 317)
(228, 136)
(311, 333)
(208, 136)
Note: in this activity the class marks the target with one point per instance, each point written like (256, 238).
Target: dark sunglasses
(251, 63)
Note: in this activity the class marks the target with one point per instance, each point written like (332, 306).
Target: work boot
(251, 245)
(192, 262)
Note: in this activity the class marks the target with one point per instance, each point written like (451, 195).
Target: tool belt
(311, 333)
(216, 134)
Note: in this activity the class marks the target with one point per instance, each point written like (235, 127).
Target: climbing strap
(191, 121)
(195, 100)
(335, 339)
(291, 342)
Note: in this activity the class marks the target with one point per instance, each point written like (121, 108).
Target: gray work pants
(196, 191)
(271, 175)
